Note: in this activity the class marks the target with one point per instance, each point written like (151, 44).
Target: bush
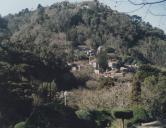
(92, 84)
(83, 114)
(123, 114)
(147, 70)
(20, 125)
(101, 117)
(55, 115)
(102, 61)
(106, 82)
(140, 115)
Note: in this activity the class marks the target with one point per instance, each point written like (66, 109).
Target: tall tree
(102, 60)
(136, 91)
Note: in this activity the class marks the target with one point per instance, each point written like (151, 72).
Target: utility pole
(89, 58)
(65, 98)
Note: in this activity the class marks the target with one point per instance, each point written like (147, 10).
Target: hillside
(64, 26)
(101, 58)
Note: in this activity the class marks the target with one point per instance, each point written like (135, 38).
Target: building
(90, 52)
(74, 67)
(97, 71)
(112, 64)
(123, 69)
(93, 63)
(99, 49)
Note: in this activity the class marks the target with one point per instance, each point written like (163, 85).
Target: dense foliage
(64, 26)
(151, 86)
(35, 47)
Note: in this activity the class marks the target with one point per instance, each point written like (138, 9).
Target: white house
(97, 71)
(99, 49)
(93, 63)
(112, 64)
(123, 69)
(90, 52)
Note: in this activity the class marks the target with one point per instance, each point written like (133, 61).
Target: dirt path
(154, 124)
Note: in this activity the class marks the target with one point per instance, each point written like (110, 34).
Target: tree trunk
(123, 123)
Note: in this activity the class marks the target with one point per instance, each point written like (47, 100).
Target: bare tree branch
(146, 3)
(154, 14)
(148, 10)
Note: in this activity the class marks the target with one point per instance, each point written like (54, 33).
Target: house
(97, 71)
(132, 68)
(93, 63)
(90, 52)
(123, 69)
(99, 49)
(83, 48)
(117, 75)
(112, 64)
(87, 4)
(107, 74)
(85, 7)
(74, 67)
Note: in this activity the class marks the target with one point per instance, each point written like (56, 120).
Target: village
(115, 68)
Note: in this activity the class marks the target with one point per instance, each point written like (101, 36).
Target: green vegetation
(136, 91)
(56, 115)
(153, 87)
(123, 114)
(62, 27)
(36, 46)
(106, 82)
(102, 61)
(101, 117)
(139, 115)
(20, 125)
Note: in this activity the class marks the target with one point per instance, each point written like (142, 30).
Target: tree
(147, 3)
(4, 32)
(102, 60)
(136, 91)
(20, 125)
(47, 91)
(123, 114)
(159, 104)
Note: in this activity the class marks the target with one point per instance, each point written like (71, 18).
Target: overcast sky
(14, 6)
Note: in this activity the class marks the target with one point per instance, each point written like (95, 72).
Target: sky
(14, 6)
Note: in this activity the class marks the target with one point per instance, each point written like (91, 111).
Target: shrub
(123, 114)
(136, 91)
(55, 115)
(147, 70)
(84, 114)
(106, 82)
(92, 84)
(102, 61)
(140, 115)
(101, 117)
(20, 125)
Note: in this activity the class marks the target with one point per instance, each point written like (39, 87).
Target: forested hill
(61, 27)
(36, 50)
